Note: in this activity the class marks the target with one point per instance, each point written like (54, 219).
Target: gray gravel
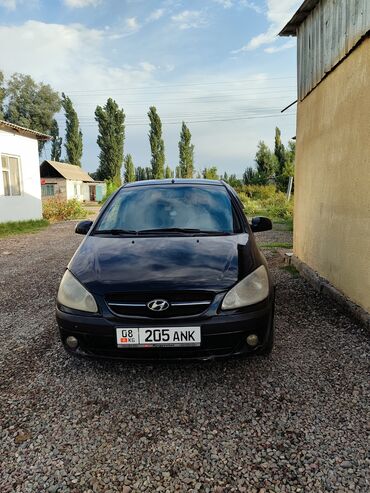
(293, 422)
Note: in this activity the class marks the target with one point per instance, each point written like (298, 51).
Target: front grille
(181, 304)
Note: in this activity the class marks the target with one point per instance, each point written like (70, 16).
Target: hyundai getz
(170, 269)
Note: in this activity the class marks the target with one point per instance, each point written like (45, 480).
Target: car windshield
(180, 208)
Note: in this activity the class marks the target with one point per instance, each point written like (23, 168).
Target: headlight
(73, 295)
(249, 291)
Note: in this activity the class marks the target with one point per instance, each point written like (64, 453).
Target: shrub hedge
(61, 210)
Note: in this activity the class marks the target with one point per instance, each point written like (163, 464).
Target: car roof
(174, 181)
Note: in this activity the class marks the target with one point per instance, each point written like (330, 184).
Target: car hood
(119, 264)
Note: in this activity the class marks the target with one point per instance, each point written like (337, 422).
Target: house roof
(69, 171)
(304, 10)
(27, 132)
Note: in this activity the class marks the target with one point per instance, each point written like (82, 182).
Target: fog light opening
(252, 340)
(72, 342)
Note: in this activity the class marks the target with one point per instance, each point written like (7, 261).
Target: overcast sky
(217, 64)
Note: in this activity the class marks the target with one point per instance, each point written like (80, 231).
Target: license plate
(158, 336)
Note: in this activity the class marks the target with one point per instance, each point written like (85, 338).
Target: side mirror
(261, 224)
(82, 228)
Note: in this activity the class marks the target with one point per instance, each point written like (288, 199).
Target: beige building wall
(332, 181)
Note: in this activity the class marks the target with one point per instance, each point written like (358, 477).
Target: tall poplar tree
(73, 140)
(186, 149)
(168, 172)
(56, 145)
(111, 138)
(156, 144)
(279, 151)
(129, 169)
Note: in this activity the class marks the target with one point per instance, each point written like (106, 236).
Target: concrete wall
(332, 181)
(71, 190)
(27, 205)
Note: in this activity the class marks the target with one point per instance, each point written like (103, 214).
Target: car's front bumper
(223, 335)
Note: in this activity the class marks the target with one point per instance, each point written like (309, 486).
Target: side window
(10, 166)
(48, 190)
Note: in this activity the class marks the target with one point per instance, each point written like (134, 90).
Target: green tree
(129, 169)
(30, 104)
(233, 181)
(140, 174)
(266, 162)
(210, 173)
(168, 172)
(148, 173)
(2, 95)
(73, 140)
(156, 144)
(186, 149)
(251, 177)
(279, 151)
(56, 145)
(288, 170)
(178, 172)
(111, 138)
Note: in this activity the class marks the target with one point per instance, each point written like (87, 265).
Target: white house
(67, 181)
(20, 191)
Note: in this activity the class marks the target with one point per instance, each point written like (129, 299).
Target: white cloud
(132, 24)
(156, 15)
(77, 4)
(75, 56)
(275, 49)
(8, 4)
(227, 4)
(13, 4)
(278, 14)
(188, 19)
(147, 67)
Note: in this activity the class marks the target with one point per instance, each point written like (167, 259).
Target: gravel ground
(292, 422)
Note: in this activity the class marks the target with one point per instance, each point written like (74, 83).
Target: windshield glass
(205, 208)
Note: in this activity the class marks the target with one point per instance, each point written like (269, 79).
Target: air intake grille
(181, 304)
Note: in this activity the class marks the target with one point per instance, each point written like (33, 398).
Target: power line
(221, 92)
(190, 84)
(275, 115)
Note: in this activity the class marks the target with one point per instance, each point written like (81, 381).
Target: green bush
(111, 188)
(259, 191)
(61, 210)
(266, 200)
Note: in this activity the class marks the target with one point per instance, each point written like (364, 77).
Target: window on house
(47, 190)
(11, 175)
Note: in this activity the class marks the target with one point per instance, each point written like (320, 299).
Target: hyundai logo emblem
(158, 305)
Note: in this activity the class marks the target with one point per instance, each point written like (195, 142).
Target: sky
(218, 65)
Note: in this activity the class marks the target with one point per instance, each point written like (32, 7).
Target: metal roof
(304, 10)
(27, 132)
(69, 171)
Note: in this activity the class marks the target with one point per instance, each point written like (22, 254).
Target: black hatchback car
(169, 270)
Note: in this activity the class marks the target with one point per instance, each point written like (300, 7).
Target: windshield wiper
(115, 232)
(183, 230)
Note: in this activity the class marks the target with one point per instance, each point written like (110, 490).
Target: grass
(291, 269)
(19, 227)
(276, 245)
